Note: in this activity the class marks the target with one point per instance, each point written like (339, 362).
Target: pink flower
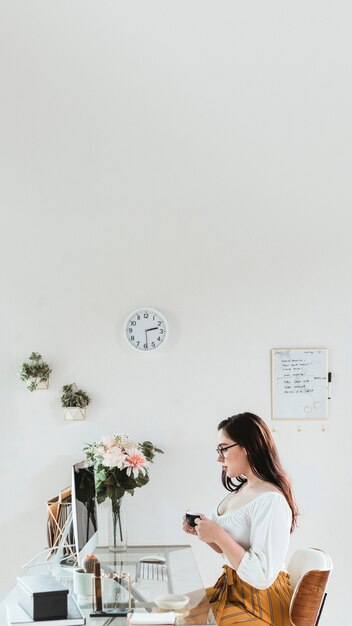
(135, 462)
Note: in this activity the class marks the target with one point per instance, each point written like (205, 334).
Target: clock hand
(146, 334)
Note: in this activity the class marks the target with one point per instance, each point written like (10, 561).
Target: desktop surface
(154, 571)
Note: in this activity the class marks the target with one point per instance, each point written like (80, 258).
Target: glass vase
(117, 526)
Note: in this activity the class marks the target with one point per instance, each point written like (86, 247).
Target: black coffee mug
(191, 518)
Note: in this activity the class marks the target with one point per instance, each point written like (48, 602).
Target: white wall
(194, 157)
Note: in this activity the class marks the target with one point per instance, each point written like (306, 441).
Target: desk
(183, 578)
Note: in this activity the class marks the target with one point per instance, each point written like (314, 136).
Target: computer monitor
(84, 509)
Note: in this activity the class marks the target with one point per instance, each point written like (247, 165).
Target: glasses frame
(222, 449)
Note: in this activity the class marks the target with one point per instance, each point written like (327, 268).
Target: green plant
(74, 397)
(36, 371)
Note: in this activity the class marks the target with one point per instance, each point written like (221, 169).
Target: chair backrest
(309, 570)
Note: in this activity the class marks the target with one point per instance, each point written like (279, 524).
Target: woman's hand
(187, 528)
(207, 530)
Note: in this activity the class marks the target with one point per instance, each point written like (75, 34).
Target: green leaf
(101, 497)
(71, 396)
(36, 368)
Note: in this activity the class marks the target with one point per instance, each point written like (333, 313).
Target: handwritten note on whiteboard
(299, 383)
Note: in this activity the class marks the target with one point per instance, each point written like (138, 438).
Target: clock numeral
(159, 323)
(132, 337)
(138, 342)
(146, 315)
(133, 323)
(145, 345)
(138, 317)
(161, 330)
(159, 339)
(130, 330)
(153, 344)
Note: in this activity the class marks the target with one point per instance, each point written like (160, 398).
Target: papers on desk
(168, 617)
(18, 617)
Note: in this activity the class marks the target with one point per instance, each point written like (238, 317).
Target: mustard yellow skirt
(235, 602)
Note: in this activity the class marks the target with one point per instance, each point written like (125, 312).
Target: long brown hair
(252, 433)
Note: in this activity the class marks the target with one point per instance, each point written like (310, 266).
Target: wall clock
(146, 329)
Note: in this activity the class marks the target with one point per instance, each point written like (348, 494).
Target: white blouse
(262, 528)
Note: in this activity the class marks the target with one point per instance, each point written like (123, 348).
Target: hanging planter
(35, 373)
(74, 413)
(74, 401)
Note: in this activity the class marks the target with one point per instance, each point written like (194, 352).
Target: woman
(251, 527)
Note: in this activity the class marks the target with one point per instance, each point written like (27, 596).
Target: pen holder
(82, 586)
(110, 605)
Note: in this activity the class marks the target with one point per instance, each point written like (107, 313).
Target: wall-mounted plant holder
(74, 401)
(74, 413)
(35, 373)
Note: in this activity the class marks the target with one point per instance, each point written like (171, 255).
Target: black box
(42, 597)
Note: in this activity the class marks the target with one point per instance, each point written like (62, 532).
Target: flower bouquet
(121, 465)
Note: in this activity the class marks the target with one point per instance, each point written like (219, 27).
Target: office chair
(309, 570)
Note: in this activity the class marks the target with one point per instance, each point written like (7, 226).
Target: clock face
(146, 329)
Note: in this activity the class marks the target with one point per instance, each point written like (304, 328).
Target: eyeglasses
(221, 449)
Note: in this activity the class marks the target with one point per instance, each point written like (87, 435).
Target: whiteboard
(299, 383)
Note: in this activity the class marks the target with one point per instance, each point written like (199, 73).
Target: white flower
(114, 457)
(108, 442)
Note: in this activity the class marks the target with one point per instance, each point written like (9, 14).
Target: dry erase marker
(329, 385)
